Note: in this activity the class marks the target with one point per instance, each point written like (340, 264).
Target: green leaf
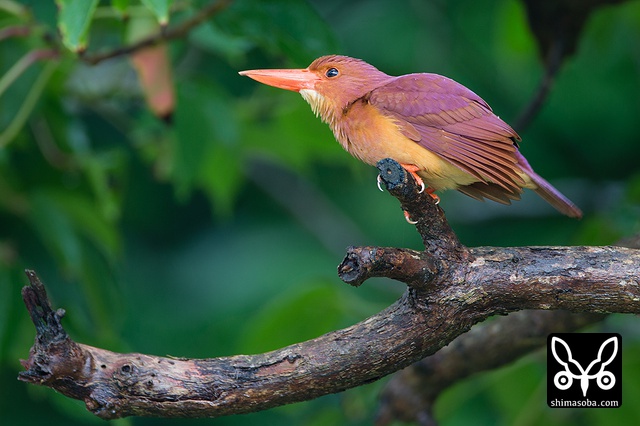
(280, 26)
(121, 7)
(160, 9)
(139, 27)
(222, 177)
(294, 317)
(6, 290)
(210, 37)
(193, 134)
(55, 229)
(206, 141)
(74, 18)
(62, 218)
(292, 133)
(89, 221)
(101, 171)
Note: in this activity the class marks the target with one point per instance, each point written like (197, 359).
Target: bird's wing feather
(453, 122)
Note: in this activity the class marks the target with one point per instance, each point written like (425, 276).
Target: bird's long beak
(293, 79)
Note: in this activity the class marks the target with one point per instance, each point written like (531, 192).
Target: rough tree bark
(410, 395)
(450, 288)
(412, 392)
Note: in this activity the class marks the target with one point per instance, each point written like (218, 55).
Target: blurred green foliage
(217, 231)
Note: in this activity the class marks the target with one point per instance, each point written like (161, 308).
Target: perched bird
(440, 131)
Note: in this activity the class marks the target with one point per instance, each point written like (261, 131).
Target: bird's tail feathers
(550, 194)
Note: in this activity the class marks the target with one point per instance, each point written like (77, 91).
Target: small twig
(15, 8)
(414, 268)
(165, 34)
(15, 31)
(18, 121)
(552, 67)
(21, 66)
(54, 357)
(48, 326)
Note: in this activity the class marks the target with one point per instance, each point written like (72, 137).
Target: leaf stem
(27, 106)
(23, 63)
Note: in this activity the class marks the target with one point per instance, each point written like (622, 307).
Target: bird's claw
(408, 218)
(379, 182)
(413, 171)
(435, 197)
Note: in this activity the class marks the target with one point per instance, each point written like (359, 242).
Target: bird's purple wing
(450, 120)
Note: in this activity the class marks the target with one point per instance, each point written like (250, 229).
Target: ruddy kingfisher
(444, 134)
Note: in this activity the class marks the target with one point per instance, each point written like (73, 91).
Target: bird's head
(329, 84)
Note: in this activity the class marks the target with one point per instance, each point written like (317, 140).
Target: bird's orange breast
(369, 135)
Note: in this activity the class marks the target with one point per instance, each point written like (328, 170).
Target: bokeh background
(211, 223)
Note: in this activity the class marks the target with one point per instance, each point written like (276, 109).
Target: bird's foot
(408, 218)
(412, 169)
(431, 191)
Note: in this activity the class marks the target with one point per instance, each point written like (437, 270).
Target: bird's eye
(332, 72)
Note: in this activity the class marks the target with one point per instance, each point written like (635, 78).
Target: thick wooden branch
(503, 280)
(410, 394)
(450, 289)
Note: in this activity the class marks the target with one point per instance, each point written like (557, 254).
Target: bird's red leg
(431, 192)
(408, 218)
(412, 169)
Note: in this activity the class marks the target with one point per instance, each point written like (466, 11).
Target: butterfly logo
(574, 371)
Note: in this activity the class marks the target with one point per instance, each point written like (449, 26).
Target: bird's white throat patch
(319, 103)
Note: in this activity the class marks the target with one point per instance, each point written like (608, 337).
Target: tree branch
(162, 36)
(451, 288)
(410, 394)
(437, 236)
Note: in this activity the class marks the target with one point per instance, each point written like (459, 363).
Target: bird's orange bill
(295, 80)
